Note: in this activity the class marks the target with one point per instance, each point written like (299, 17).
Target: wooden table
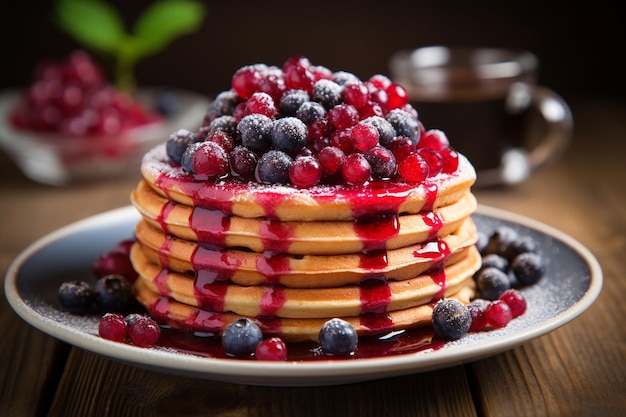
(577, 370)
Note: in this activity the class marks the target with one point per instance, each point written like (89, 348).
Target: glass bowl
(58, 160)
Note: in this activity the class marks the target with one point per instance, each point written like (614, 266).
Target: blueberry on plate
(492, 282)
(338, 337)
(528, 268)
(76, 297)
(113, 294)
(451, 319)
(241, 337)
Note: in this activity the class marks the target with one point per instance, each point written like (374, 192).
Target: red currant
(515, 300)
(113, 327)
(356, 169)
(331, 159)
(413, 168)
(343, 116)
(272, 349)
(434, 160)
(364, 136)
(450, 160)
(356, 94)
(398, 96)
(498, 314)
(305, 171)
(434, 139)
(144, 331)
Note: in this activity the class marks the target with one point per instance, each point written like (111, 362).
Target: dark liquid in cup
(481, 130)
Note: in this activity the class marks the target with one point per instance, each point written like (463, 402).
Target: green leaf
(91, 22)
(164, 21)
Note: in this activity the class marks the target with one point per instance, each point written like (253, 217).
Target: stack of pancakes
(378, 255)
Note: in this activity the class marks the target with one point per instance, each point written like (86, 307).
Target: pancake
(319, 203)
(366, 296)
(308, 271)
(298, 237)
(187, 317)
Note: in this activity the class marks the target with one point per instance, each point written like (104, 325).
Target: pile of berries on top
(303, 124)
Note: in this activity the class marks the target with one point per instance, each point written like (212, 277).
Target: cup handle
(518, 163)
(559, 125)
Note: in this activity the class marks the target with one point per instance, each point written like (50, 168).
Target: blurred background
(581, 47)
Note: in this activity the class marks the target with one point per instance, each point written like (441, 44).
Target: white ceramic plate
(572, 283)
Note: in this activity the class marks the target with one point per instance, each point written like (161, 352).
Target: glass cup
(488, 103)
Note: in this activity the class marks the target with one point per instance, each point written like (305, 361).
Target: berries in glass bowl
(70, 124)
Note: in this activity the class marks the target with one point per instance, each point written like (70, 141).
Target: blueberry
(404, 124)
(113, 294)
(344, 78)
(492, 282)
(76, 297)
(289, 135)
(241, 337)
(291, 101)
(224, 103)
(254, 130)
(495, 261)
(338, 337)
(273, 167)
(520, 245)
(310, 111)
(500, 239)
(327, 93)
(528, 268)
(382, 161)
(178, 143)
(481, 242)
(451, 319)
(243, 161)
(224, 123)
(385, 130)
